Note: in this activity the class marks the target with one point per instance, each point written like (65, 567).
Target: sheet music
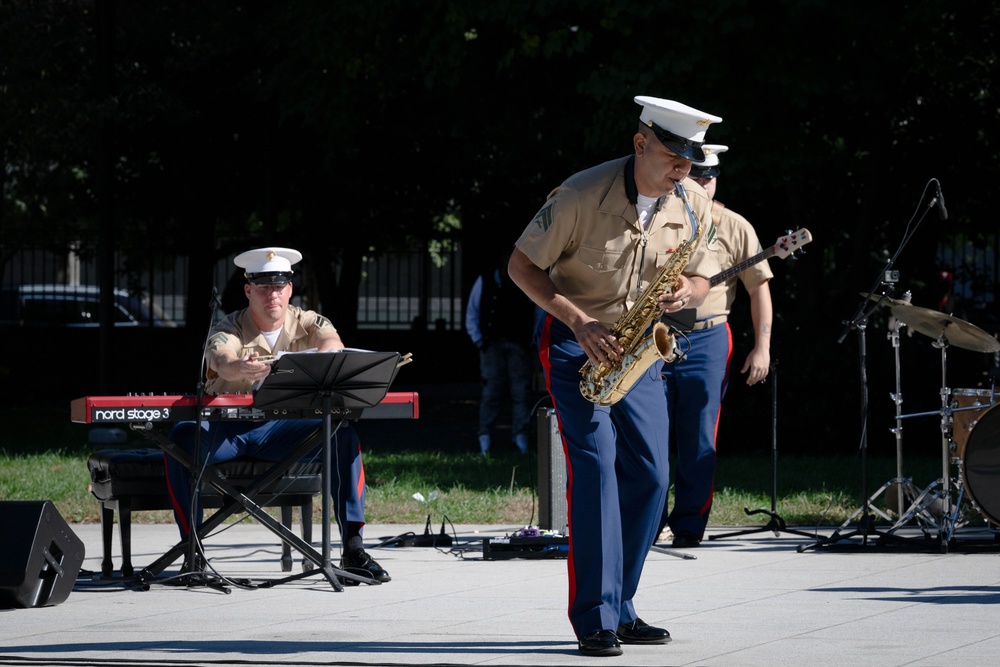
(271, 358)
(316, 349)
(355, 380)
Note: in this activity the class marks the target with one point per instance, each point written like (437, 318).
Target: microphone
(942, 211)
(215, 302)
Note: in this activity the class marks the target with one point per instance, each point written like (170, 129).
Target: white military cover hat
(679, 127)
(709, 167)
(268, 265)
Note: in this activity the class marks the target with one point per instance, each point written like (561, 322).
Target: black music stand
(340, 384)
(777, 524)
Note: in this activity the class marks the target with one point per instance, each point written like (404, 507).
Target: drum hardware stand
(918, 509)
(905, 489)
(886, 277)
(940, 489)
(776, 524)
(897, 398)
(948, 524)
(919, 505)
(865, 526)
(945, 330)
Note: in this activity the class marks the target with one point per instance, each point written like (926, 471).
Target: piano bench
(134, 480)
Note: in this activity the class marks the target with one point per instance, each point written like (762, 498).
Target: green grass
(468, 488)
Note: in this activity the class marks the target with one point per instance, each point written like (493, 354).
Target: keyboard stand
(244, 500)
(342, 383)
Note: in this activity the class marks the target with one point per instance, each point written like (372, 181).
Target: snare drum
(981, 464)
(963, 421)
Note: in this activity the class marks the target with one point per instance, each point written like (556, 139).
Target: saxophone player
(585, 258)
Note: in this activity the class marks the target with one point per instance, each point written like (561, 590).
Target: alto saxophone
(606, 385)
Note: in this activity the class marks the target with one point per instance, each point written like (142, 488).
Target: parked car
(75, 306)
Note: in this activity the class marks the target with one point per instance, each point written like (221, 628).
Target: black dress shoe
(600, 643)
(685, 541)
(638, 632)
(360, 563)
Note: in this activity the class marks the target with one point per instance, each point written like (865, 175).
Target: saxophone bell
(665, 342)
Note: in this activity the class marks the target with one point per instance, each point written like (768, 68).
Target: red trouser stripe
(543, 355)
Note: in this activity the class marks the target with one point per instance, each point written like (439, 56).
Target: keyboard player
(236, 357)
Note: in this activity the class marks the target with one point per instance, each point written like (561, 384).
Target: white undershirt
(645, 206)
(271, 337)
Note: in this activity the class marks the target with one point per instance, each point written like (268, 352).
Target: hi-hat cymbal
(938, 325)
(887, 300)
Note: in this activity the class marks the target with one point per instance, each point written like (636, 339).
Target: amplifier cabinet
(552, 509)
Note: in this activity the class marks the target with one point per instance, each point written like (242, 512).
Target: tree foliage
(348, 129)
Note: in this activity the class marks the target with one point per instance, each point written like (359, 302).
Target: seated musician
(270, 325)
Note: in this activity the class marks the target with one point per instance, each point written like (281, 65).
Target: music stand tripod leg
(324, 565)
(775, 525)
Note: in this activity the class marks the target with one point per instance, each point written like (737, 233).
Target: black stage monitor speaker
(41, 557)
(552, 477)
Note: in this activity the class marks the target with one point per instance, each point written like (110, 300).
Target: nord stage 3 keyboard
(223, 407)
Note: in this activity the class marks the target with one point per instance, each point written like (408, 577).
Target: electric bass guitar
(683, 320)
(785, 246)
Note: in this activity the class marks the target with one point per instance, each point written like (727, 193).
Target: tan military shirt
(737, 242)
(587, 236)
(238, 332)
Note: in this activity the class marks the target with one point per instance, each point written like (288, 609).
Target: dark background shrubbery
(159, 129)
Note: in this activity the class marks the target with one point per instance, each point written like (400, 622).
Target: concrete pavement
(744, 600)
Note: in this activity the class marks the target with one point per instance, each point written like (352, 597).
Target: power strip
(428, 539)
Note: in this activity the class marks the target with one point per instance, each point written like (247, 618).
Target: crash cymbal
(886, 300)
(938, 325)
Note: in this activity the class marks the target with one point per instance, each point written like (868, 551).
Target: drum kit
(970, 430)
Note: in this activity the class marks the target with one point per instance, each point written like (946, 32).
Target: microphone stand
(865, 526)
(196, 574)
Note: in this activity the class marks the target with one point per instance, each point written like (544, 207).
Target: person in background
(584, 259)
(499, 320)
(696, 384)
(233, 353)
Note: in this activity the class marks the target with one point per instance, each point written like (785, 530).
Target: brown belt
(708, 323)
